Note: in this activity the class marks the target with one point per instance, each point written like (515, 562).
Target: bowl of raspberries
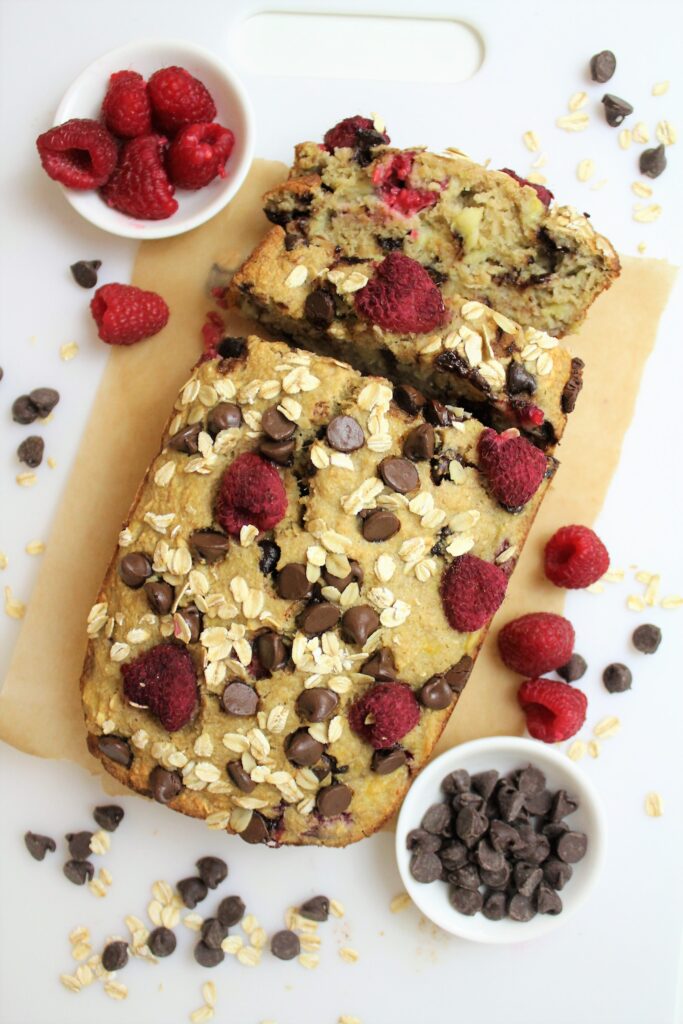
(151, 140)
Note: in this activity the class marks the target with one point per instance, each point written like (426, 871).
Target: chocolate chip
(231, 911)
(518, 379)
(409, 399)
(270, 556)
(436, 413)
(425, 867)
(647, 638)
(135, 568)
(494, 906)
(186, 439)
(358, 623)
(79, 844)
(547, 900)
(213, 932)
(210, 545)
(497, 880)
(465, 901)
(160, 596)
(317, 908)
(380, 666)
(285, 945)
(419, 838)
(345, 434)
(453, 855)
(318, 618)
(44, 399)
(208, 957)
(572, 388)
(161, 941)
(603, 66)
(38, 845)
(212, 870)
(333, 800)
(521, 908)
(84, 272)
(316, 704)
(108, 816)
(504, 837)
(616, 109)
(510, 801)
(399, 474)
(571, 847)
(192, 891)
(385, 762)
(224, 416)
(574, 669)
(557, 873)
(470, 825)
(276, 425)
(319, 308)
(240, 777)
(23, 410)
(617, 678)
(539, 803)
(232, 347)
(340, 583)
(116, 749)
(554, 829)
(79, 871)
(484, 783)
(418, 445)
(301, 749)
(457, 676)
(456, 782)
(527, 878)
(292, 582)
(530, 780)
(115, 956)
(239, 699)
(256, 831)
(280, 452)
(466, 876)
(165, 785)
(653, 161)
(272, 651)
(192, 616)
(31, 450)
(380, 525)
(436, 818)
(435, 694)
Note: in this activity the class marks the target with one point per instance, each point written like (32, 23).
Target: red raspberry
(139, 186)
(529, 415)
(198, 153)
(346, 133)
(554, 711)
(390, 178)
(401, 297)
(251, 491)
(536, 643)
(79, 153)
(513, 466)
(472, 591)
(575, 557)
(384, 714)
(126, 110)
(163, 679)
(178, 98)
(125, 314)
(544, 194)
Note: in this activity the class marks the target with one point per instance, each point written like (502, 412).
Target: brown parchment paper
(39, 704)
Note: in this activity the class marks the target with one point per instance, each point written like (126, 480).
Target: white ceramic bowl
(504, 753)
(84, 99)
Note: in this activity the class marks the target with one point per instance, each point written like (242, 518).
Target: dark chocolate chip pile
(501, 844)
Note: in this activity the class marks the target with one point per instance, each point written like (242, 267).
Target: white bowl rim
(116, 223)
(479, 928)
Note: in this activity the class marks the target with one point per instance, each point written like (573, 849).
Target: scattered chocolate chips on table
(212, 871)
(206, 956)
(602, 66)
(38, 845)
(231, 911)
(616, 109)
(84, 272)
(162, 942)
(647, 638)
(192, 891)
(285, 945)
(108, 816)
(79, 844)
(574, 669)
(79, 871)
(617, 678)
(31, 450)
(483, 841)
(115, 955)
(317, 908)
(653, 161)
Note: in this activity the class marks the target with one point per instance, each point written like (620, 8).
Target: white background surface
(615, 962)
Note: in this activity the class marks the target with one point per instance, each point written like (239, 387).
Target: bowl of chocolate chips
(500, 840)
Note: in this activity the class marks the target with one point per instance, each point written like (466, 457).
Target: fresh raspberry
(544, 194)
(472, 591)
(178, 98)
(139, 186)
(575, 557)
(126, 110)
(384, 714)
(390, 179)
(401, 297)
(198, 154)
(513, 466)
(79, 153)
(536, 643)
(554, 711)
(251, 492)
(125, 314)
(163, 679)
(349, 133)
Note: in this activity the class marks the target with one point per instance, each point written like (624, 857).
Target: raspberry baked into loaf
(305, 578)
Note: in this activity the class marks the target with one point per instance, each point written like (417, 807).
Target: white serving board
(616, 961)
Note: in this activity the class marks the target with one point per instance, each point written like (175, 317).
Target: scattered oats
(85, 975)
(209, 993)
(531, 141)
(593, 748)
(201, 1015)
(641, 247)
(374, 394)
(348, 954)
(673, 601)
(277, 718)
(203, 745)
(347, 1018)
(140, 739)
(26, 479)
(290, 408)
(35, 547)
(68, 351)
(80, 933)
(378, 121)
(652, 591)
(162, 892)
(309, 960)
(52, 462)
(595, 588)
(460, 545)
(666, 133)
(574, 122)
(536, 178)
(105, 876)
(193, 921)
(585, 170)
(506, 555)
(647, 214)
(335, 729)
(100, 842)
(577, 100)
(576, 750)
(115, 989)
(297, 276)
(70, 982)
(232, 944)
(613, 576)
(640, 132)
(396, 615)
(249, 956)
(607, 727)
(258, 938)
(119, 651)
(653, 805)
(336, 908)
(98, 888)
(3, 560)
(625, 138)
(154, 909)
(635, 603)
(15, 609)
(81, 951)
